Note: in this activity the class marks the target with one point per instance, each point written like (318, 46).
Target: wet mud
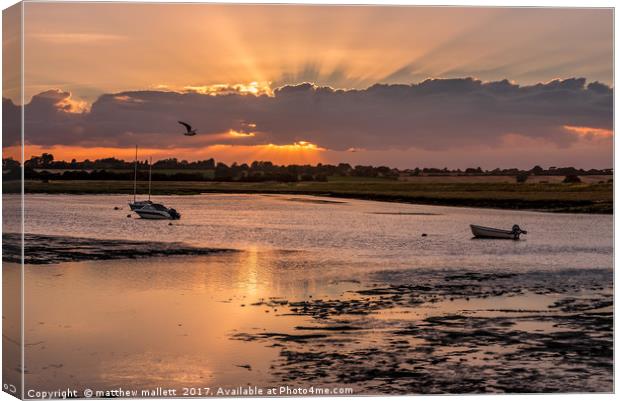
(430, 332)
(49, 249)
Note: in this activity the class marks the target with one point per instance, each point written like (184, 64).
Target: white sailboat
(147, 209)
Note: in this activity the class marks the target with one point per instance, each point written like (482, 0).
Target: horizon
(377, 85)
(146, 161)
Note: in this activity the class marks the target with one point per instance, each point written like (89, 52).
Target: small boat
(157, 211)
(146, 209)
(496, 233)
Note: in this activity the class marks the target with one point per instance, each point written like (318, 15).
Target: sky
(400, 86)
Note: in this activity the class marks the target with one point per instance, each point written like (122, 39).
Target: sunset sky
(400, 86)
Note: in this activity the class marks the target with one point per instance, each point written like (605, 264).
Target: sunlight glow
(240, 134)
(590, 132)
(301, 152)
(253, 88)
(64, 101)
(70, 105)
(300, 145)
(127, 99)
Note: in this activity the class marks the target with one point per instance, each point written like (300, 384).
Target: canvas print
(205, 200)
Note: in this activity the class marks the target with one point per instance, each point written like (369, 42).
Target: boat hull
(153, 215)
(156, 211)
(493, 233)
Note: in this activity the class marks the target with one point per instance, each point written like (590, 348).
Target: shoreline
(549, 198)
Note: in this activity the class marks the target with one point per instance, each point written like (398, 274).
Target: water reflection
(134, 322)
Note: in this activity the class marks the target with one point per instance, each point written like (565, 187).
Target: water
(352, 231)
(172, 321)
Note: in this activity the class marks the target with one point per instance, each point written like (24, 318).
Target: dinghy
(496, 233)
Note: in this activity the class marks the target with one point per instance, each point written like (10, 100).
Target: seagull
(190, 130)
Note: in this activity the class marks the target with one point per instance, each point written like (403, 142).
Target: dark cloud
(434, 114)
(11, 122)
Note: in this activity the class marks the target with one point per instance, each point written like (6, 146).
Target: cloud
(11, 122)
(434, 114)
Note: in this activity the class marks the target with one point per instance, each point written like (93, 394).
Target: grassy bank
(553, 197)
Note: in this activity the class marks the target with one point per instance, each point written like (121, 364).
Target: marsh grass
(546, 196)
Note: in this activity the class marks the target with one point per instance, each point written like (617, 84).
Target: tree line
(45, 167)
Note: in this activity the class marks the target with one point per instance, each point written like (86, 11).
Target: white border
(483, 3)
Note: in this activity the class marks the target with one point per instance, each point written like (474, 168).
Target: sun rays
(243, 52)
(222, 48)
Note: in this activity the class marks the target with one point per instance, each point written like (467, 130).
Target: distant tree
(109, 163)
(87, 164)
(11, 169)
(46, 159)
(171, 163)
(364, 171)
(34, 162)
(522, 177)
(572, 179)
(222, 172)
(537, 170)
(9, 163)
(208, 164)
(383, 171)
(343, 169)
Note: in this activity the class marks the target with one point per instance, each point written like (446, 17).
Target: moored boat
(496, 233)
(147, 209)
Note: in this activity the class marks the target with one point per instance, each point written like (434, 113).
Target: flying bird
(188, 128)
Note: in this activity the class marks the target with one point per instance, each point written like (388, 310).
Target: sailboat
(138, 204)
(147, 209)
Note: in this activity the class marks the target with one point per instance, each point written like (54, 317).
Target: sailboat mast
(135, 175)
(150, 164)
